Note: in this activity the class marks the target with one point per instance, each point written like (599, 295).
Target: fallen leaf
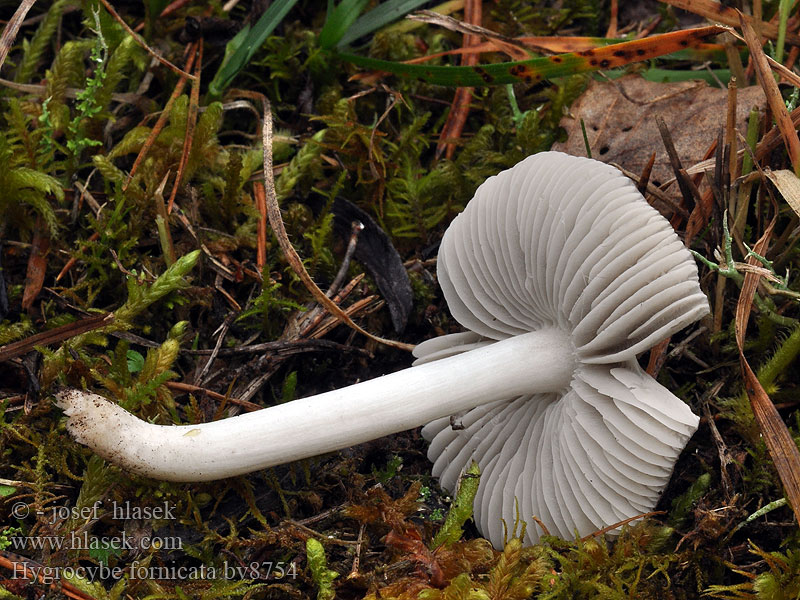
(788, 185)
(37, 264)
(375, 251)
(620, 119)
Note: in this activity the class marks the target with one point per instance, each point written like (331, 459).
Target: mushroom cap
(566, 242)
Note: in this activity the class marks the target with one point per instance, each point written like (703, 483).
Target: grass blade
(378, 17)
(244, 46)
(537, 69)
(339, 21)
(715, 11)
(777, 437)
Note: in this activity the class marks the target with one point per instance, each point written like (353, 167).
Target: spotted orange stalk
(538, 69)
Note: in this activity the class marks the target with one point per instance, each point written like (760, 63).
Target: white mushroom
(566, 243)
(563, 274)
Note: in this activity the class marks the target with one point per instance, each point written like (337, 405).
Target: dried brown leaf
(788, 185)
(774, 98)
(37, 264)
(620, 118)
(780, 444)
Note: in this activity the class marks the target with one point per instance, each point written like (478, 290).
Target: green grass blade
(244, 45)
(538, 69)
(493, 74)
(671, 76)
(784, 8)
(378, 17)
(339, 21)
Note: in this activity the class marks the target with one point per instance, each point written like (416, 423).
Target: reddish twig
(187, 388)
(611, 32)
(261, 206)
(54, 336)
(459, 110)
(191, 121)
(72, 261)
(162, 119)
(143, 44)
(34, 571)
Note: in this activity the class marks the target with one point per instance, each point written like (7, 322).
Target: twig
(261, 206)
(283, 348)
(215, 263)
(39, 89)
(191, 121)
(356, 228)
(611, 32)
(621, 523)
(231, 300)
(308, 322)
(357, 554)
(774, 98)
(722, 449)
(690, 196)
(276, 221)
(655, 192)
(53, 336)
(328, 539)
(459, 110)
(469, 28)
(14, 482)
(34, 571)
(162, 120)
(193, 389)
(143, 44)
(644, 179)
(12, 28)
(220, 338)
(73, 260)
(363, 306)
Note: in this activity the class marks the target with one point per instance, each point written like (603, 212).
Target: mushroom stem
(540, 361)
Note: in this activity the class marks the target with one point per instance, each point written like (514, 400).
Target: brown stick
(162, 118)
(53, 336)
(276, 222)
(459, 110)
(191, 121)
(143, 44)
(12, 28)
(780, 444)
(774, 98)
